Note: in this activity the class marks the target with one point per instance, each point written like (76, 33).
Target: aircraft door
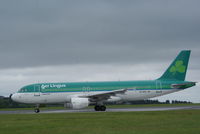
(86, 89)
(158, 85)
(37, 90)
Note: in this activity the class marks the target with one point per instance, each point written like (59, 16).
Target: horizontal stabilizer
(183, 85)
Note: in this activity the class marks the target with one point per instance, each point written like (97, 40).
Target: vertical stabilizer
(178, 68)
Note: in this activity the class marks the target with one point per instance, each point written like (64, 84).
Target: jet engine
(114, 99)
(77, 103)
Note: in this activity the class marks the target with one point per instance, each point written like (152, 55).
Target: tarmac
(167, 108)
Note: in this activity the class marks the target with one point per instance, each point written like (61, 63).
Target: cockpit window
(21, 90)
(29, 88)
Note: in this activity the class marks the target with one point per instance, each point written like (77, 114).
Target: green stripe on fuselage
(99, 86)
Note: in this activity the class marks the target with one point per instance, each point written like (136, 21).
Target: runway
(108, 110)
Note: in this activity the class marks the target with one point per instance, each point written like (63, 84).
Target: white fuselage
(64, 97)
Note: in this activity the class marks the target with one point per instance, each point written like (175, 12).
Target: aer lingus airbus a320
(79, 95)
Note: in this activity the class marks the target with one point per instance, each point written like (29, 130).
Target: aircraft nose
(14, 97)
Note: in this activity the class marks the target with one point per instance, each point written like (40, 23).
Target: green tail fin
(178, 68)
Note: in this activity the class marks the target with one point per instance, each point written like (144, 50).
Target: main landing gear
(37, 110)
(100, 108)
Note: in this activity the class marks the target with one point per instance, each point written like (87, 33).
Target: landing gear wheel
(100, 108)
(103, 108)
(37, 110)
(97, 108)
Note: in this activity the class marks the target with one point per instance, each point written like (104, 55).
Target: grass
(157, 122)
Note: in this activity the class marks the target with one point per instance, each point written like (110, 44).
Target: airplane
(77, 95)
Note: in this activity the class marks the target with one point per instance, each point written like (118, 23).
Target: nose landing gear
(37, 110)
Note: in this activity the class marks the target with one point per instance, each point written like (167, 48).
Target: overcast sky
(96, 40)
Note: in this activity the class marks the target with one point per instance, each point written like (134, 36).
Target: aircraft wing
(104, 95)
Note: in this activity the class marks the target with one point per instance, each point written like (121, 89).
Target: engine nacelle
(114, 99)
(78, 103)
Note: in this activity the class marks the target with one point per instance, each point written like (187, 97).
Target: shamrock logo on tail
(178, 67)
